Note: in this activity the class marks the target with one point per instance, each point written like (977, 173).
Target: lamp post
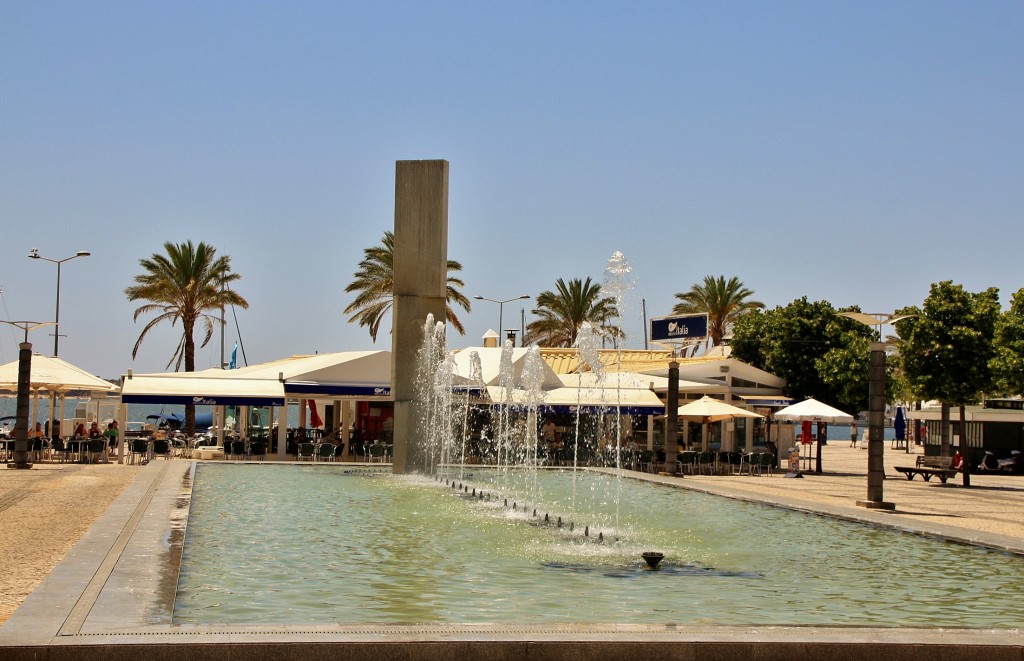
(876, 409)
(34, 254)
(501, 304)
(22, 449)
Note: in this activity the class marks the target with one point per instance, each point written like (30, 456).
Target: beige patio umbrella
(708, 409)
(54, 376)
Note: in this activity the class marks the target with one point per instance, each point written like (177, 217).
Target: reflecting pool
(318, 544)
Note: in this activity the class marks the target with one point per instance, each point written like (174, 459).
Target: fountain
(395, 565)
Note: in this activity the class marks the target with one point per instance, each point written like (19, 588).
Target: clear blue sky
(854, 152)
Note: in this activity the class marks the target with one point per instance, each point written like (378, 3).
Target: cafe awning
(201, 389)
(585, 400)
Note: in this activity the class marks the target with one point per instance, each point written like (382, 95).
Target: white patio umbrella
(708, 409)
(53, 375)
(813, 410)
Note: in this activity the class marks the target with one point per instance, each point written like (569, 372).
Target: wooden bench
(926, 467)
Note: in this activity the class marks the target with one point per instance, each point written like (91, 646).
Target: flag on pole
(234, 355)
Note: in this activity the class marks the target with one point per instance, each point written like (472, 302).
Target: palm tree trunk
(190, 366)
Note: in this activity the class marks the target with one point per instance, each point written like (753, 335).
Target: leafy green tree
(374, 287)
(723, 300)
(561, 312)
(817, 352)
(1008, 361)
(185, 284)
(948, 351)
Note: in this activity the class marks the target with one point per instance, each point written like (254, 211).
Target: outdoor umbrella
(900, 425)
(708, 409)
(53, 375)
(813, 411)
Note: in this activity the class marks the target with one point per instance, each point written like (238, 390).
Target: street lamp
(34, 254)
(876, 408)
(501, 304)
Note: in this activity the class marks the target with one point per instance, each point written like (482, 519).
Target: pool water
(318, 544)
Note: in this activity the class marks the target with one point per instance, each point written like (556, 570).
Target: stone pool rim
(102, 601)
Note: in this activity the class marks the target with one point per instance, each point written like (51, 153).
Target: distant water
(136, 412)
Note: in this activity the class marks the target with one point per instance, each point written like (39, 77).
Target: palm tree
(723, 301)
(374, 287)
(563, 311)
(183, 285)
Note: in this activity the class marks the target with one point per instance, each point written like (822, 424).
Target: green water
(312, 544)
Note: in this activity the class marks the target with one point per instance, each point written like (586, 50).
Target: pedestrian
(853, 434)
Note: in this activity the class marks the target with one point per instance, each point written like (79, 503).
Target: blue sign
(682, 327)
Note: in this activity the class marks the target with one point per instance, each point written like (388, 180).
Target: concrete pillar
(672, 419)
(243, 422)
(420, 287)
(876, 430)
(22, 448)
(282, 430)
(346, 427)
(650, 432)
(122, 429)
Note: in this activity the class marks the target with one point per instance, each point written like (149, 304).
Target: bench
(926, 467)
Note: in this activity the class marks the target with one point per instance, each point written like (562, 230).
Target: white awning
(340, 375)
(588, 400)
(201, 389)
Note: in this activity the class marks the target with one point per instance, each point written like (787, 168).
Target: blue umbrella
(900, 425)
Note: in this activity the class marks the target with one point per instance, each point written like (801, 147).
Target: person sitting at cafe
(111, 434)
(80, 430)
(94, 430)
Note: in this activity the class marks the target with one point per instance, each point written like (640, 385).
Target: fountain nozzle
(652, 558)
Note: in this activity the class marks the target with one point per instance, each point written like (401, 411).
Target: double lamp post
(34, 254)
(501, 305)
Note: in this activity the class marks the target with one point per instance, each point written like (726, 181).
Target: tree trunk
(190, 366)
(963, 447)
(944, 431)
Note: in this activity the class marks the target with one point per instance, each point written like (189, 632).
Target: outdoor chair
(162, 447)
(686, 462)
(60, 448)
(706, 461)
(305, 451)
(645, 459)
(138, 449)
(766, 462)
(237, 449)
(747, 463)
(325, 452)
(378, 452)
(731, 462)
(258, 449)
(96, 450)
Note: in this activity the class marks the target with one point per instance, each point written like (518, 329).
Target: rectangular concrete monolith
(421, 278)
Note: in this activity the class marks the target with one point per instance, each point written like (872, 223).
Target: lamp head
(82, 253)
(479, 298)
(34, 253)
(525, 296)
